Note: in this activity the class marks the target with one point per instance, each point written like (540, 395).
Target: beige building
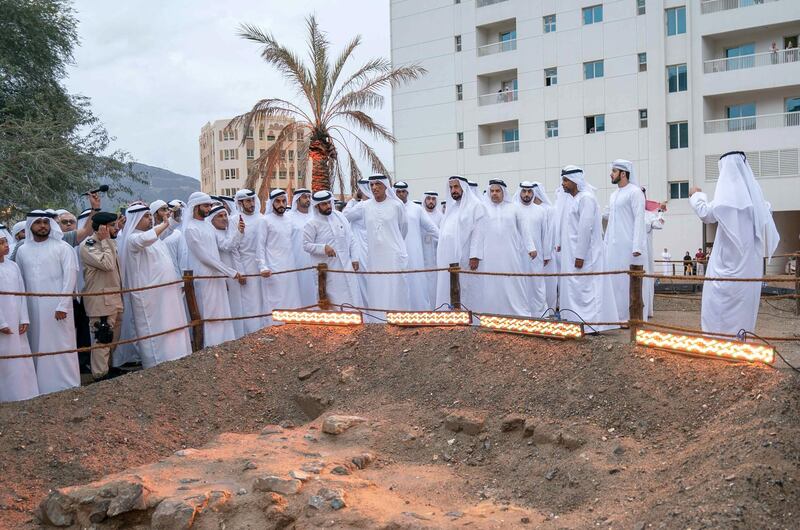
(225, 161)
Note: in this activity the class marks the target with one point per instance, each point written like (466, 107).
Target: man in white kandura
(536, 216)
(745, 233)
(300, 215)
(146, 261)
(420, 227)
(507, 238)
(653, 220)
(48, 265)
(204, 260)
(385, 217)
(173, 237)
(228, 240)
(251, 256)
(666, 267)
(283, 290)
(17, 376)
(625, 239)
(328, 239)
(583, 298)
(354, 212)
(429, 243)
(460, 241)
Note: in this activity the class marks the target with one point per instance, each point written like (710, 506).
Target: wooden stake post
(636, 306)
(455, 286)
(322, 286)
(194, 312)
(797, 283)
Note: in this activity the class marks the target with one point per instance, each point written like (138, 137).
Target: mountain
(159, 183)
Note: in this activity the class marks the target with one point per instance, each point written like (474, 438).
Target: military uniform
(101, 272)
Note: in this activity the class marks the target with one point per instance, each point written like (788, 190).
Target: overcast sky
(157, 71)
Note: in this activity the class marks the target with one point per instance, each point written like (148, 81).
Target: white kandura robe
(177, 250)
(420, 227)
(625, 234)
(251, 257)
(228, 242)
(666, 268)
(51, 266)
(306, 279)
(17, 376)
(652, 221)
(429, 244)
(386, 231)
(354, 213)
(506, 239)
(147, 261)
(728, 307)
(283, 290)
(588, 298)
(559, 213)
(335, 231)
(212, 295)
(535, 217)
(460, 238)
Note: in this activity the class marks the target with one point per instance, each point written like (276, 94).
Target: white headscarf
(363, 186)
(215, 211)
(318, 198)
(17, 228)
(274, 194)
(83, 218)
(157, 205)
(473, 187)
(538, 191)
(737, 189)
(383, 179)
(487, 199)
(4, 233)
(195, 199)
(625, 165)
(55, 230)
(464, 209)
(575, 174)
(296, 194)
(247, 194)
(61, 212)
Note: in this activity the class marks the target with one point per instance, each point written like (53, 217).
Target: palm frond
(340, 64)
(364, 121)
(318, 51)
(392, 78)
(268, 161)
(263, 111)
(372, 67)
(376, 164)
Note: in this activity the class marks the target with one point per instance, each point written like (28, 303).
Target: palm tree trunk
(320, 166)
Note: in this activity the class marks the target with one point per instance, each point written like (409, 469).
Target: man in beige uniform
(101, 272)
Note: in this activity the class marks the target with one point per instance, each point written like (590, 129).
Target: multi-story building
(519, 88)
(225, 161)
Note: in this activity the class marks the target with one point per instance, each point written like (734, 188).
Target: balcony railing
(750, 123)
(755, 60)
(714, 6)
(499, 148)
(505, 96)
(484, 3)
(497, 47)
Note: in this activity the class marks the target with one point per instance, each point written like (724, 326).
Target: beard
(526, 200)
(327, 212)
(279, 210)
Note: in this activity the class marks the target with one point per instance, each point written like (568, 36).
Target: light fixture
(729, 350)
(327, 318)
(429, 318)
(553, 329)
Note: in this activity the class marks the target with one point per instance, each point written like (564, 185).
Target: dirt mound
(558, 434)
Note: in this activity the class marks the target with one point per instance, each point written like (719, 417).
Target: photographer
(101, 272)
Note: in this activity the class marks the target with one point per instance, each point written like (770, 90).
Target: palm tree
(331, 112)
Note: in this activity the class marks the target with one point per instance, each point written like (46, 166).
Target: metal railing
(497, 47)
(714, 6)
(499, 148)
(749, 123)
(504, 96)
(755, 60)
(484, 3)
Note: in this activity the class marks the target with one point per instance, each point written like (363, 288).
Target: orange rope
(546, 274)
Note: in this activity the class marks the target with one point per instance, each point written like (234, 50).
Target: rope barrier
(411, 271)
(254, 275)
(765, 279)
(544, 274)
(93, 293)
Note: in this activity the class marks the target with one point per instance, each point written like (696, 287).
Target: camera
(103, 333)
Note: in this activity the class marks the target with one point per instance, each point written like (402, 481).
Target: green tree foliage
(51, 145)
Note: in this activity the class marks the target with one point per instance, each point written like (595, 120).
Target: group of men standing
(247, 263)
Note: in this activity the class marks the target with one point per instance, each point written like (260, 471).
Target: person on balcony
(745, 233)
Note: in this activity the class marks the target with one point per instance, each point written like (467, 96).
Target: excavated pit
(464, 428)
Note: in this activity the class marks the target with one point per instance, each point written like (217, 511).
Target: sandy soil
(660, 441)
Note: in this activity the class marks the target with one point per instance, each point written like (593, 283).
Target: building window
(595, 124)
(676, 21)
(228, 134)
(642, 118)
(283, 154)
(251, 154)
(261, 134)
(549, 23)
(741, 56)
(459, 92)
(270, 137)
(510, 140)
(458, 43)
(282, 174)
(460, 140)
(593, 70)
(679, 190)
(291, 154)
(508, 40)
(640, 7)
(550, 76)
(741, 117)
(551, 128)
(227, 174)
(642, 62)
(229, 154)
(677, 79)
(299, 135)
(458, 1)
(250, 133)
(592, 15)
(679, 135)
